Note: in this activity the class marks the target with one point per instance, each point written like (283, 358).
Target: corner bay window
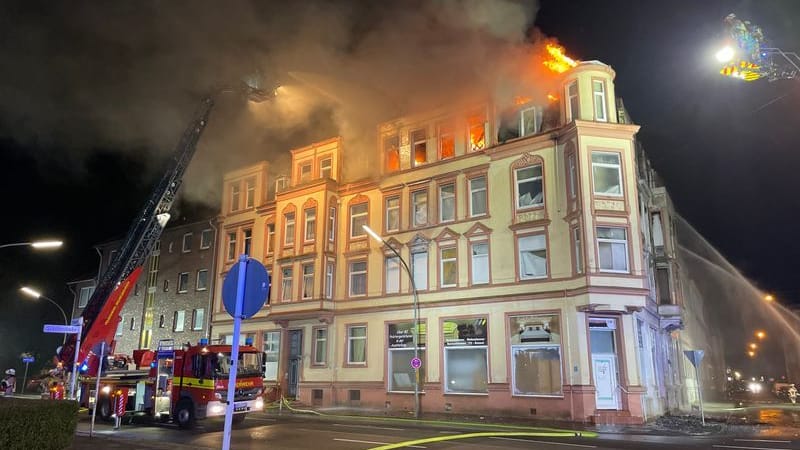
(532, 257)
(572, 102)
(401, 375)
(607, 174)
(466, 367)
(530, 191)
(357, 344)
(612, 248)
(535, 345)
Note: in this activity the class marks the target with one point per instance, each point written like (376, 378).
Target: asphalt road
(309, 432)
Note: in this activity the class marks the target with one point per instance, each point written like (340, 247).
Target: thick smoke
(127, 76)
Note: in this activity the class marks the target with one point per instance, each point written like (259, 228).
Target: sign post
(27, 359)
(74, 371)
(695, 356)
(244, 292)
(97, 385)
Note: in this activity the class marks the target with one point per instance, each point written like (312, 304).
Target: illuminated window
(447, 141)
(599, 96)
(466, 362)
(391, 153)
(477, 131)
(272, 346)
(530, 191)
(448, 267)
(419, 147)
(393, 213)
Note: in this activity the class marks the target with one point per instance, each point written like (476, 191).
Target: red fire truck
(182, 384)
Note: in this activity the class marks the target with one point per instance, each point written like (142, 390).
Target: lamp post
(36, 294)
(415, 334)
(35, 244)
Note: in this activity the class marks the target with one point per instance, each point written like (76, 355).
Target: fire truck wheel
(238, 418)
(184, 414)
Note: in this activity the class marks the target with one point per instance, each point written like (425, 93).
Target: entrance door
(604, 363)
(295, 359)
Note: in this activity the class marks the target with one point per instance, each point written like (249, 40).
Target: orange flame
(552, 98)
(521, 100)
(557, 61)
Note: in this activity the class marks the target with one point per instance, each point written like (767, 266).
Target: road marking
(368, 426)
(763, 440)
(373, 442)
(544, 442)
(263, 420)
(747, 448)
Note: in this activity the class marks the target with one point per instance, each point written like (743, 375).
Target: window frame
(235, 196)
(603, 94)
(472, 192)
(357, 232)
(386, 275)
(198, 317)
(286, 294)
(391, 152)
(197, 286)
(351, 273)
(330, 279)
(480, 123)
(270, 238)
(449, 260)
(247, 241)
(310, 224)
(604, 165)
(230, 255)
(302, 175)
(394, 209)
(186, 243)
(472, 277)
(307, 281)
(183, 282)
(315, 344)
(289, 224)
(323, 167)
(89, 291)
(515, 346)
(250, 192)
(416, 143)
(425, 272)
(332, 224)
(445, 132)
(612, 241)
(532, 179)
(577, 249)
(350, 338)
(179, 314)
(414, 194)
(538, 116)
(573, 109)
(520, 249)
(206, 237)
(453, 196)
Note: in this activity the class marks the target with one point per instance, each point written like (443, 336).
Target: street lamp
(761, 334)
(415, 334)
(769, 298)
(35, 244)
(36, 294)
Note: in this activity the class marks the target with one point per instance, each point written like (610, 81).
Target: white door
(604, 367)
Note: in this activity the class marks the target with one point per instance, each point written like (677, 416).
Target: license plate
(240, 407)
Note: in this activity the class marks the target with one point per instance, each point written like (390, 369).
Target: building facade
(172, 297)
(521, 227)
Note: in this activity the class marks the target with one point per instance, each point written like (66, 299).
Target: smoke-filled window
(391, 153)
(447, 141)
(477, 130)
(250, 194)
(419, 145)
(305, 172)
(393, 213)
(235, 196)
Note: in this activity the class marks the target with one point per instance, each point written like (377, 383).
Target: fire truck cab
(181, 384)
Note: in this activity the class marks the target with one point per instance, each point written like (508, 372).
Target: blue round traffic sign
(256, 288)
(416, 363)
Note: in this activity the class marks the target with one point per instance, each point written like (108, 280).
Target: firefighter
(793, 393)
(56, 390)
(10, 382)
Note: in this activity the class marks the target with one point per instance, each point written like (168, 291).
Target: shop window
(466, 368)
(535, 355)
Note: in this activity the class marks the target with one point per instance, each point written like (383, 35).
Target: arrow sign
(69, 329)
(695, 356)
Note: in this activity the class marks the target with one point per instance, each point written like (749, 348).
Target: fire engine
(182, 384)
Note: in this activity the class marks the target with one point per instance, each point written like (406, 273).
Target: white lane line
(746, 448)
(763, 440)
(546, 442)
(372, 427)
(373, 442)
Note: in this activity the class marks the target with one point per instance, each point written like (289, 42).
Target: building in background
(173, 295)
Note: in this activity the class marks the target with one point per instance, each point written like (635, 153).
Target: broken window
(530, 191)
(477, 130)
(391, 150)
(447, 141)
(419, 145)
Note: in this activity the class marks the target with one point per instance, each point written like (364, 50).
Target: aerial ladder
(101, 315)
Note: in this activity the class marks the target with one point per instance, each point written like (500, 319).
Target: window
(477, 131)
(599, 96)
(530, 191)
(320, 346)
(466, 369)
(272, 346)
(358, 278)
(393, 213)
(607, 174)
(358, 218)
(183, 282)
(325, 168)
(535, 345)
(202, 280)
(392, 280)
(250, 192)
(161, 321)
(530, 121)
(235, 196)
(332, 224)
(419, 147)
(480, 263)
(578, 250)
(198, 318)
(401, 375)
(288, 228)
(205, 239)
(329, 273)
(419, 208)
(572, 176)
(187, 243)
(281, 183)
(231, 246)
(286, 284)
(573, 111)
(270, 238)
(305, 172)
(419, 267)
(308, 281)
(477, 196)
(311, 224)
(357, 344)
(447, 203)
(448, 270)
(85, 295)
(178, 320)
(166, 285)
(447, 141)
(612, 248)
(248, 240)
(391, 152)
(532, 257)
(133, 323)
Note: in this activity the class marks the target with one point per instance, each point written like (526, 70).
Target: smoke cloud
(85, 75)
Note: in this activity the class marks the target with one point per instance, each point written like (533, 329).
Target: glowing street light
(36, 294)
(751, 354)
(769, 298)
(35, 244)
(761, 334)
(725, 54)
(753, 346)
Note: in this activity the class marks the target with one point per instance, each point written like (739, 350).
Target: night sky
(94, 95)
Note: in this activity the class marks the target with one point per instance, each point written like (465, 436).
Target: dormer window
(325, 168)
